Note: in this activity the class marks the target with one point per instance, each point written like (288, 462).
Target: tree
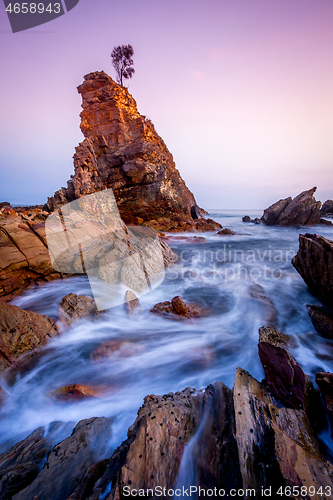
(122, 62)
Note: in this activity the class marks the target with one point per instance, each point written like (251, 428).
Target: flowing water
(157, 355)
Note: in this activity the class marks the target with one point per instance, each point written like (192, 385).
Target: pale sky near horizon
(241, 91)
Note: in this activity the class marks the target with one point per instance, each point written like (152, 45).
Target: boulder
(21, 332)
(326, 222)
(75, 307)
(302, 210)
(226, 232)
(314, 262)
(68, 461)
(176, 309)
(322, 320)
(123, 151)
(327, 209)
(21, 464)
(256, 220)
(116, 349)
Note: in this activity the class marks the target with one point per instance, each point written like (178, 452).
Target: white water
(168, 355)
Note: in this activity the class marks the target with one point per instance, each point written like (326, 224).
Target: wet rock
(302, 210)
(226, 232)
(326, 222)
(327, 209)
(75, 307)
(314, 262)
(325, 384)
(268, 309)
(273, 336)
(132, 303)
(256, 220)
(287, 382)
(3, 396)
(73, 393)
(115, 349)
(276, 446)
(322, 320)
(22, 331)
(20, 465)
(176, 309)
(68, 461)
(157, 441)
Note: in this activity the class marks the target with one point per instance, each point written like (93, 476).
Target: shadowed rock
(325, 384)
(322, 320)
(314, 262)
(327, 208)
(22, 331)
(68, 461)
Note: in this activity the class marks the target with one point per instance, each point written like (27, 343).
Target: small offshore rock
(176, 309)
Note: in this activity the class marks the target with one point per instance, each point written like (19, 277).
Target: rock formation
(314, 262)
(24, 258)
(176, 309)
(21, 332)
(122, 151)
(322, 320)
(327, 209)
(302, 210)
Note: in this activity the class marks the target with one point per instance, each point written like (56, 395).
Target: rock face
(20, 465)
(314, 262)
(325, 384)
(327, 208)
(24, 258)
(67, 461)
(302, 210)
(21, 332)
(322, 320)
(122, 151)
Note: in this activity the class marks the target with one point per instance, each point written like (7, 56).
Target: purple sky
(241, 91)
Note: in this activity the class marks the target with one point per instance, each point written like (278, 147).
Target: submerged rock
(322, 320)
(302, 210)
(22, 331)
(72, 393)
(226, 232)
(132, 303)
(314, 262)
(176, 309)
(269, 311)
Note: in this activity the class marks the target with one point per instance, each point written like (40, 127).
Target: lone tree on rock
(122, 62)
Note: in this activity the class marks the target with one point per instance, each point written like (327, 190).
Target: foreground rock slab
(314, 262)
(21, 332)
(67, 461)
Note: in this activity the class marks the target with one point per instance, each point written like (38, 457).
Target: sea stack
(122, 151)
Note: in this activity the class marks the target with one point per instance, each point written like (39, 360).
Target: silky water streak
(88, 236)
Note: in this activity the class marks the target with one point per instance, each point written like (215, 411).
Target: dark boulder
(314, 262)
(322, 320)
